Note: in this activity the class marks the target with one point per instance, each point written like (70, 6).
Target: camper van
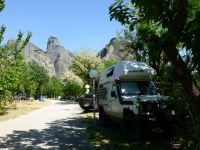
(126, 93)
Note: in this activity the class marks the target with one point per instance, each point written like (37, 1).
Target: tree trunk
(185, 78)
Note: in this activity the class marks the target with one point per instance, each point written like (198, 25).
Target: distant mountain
(114, 49)
(56, 59)
(60, 57)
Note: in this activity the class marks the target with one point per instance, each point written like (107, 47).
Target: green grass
(111, 138)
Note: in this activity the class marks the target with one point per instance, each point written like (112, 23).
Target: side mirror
(113, 94)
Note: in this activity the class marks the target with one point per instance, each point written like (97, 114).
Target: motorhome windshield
(131, 88)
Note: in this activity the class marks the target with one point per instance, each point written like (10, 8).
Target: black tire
(131, 128)
(103, 120)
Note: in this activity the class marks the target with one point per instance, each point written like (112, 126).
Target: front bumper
(161, 119)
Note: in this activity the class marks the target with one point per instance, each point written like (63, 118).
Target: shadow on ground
(111, 138)
(61, 135)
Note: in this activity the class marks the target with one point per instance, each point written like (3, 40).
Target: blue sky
(76, 23)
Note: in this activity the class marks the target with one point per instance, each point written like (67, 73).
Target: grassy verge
(18, 108)
(110, 137)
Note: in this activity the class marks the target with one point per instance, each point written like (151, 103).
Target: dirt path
(56, 127)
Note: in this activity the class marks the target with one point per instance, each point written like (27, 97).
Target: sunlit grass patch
(21, 107)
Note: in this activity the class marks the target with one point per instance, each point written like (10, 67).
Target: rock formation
(56, 59)
(32, 52)
(60, 57)
(111, 50)
(114, 50)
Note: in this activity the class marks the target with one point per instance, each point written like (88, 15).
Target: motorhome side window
(113, 91)
(110, 72)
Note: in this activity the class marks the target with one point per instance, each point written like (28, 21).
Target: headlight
(173, 112)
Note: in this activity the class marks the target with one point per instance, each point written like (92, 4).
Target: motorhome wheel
(131, 128)
(102, 117)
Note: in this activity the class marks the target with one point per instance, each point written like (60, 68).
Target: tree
(73, 84)
(54, 87)
(169, 25)
(73, 89)
(70, 76)
(11, 65)
(108, 63)
(40, 76)
(28, 86)
(2, 5)
(143, 50)
(83, 62)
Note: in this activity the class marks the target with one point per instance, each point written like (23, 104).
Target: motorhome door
(114, 99)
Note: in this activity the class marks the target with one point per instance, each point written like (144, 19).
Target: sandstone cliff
(114, 49)
(60, 57)
(56, 59)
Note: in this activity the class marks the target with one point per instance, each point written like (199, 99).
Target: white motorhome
(126, 93)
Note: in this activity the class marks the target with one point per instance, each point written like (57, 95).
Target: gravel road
(56, 127)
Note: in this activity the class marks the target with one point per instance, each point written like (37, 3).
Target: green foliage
(159, 29)
(141, 49)
(54, 87)
(3, 29)
(69, 76)
(72, 84)
(109, 62)
(166, 26)
(157, 23)
(19, 46)
(7, 64)
(2, 5)
(191, 40)
(73, 89)
(28, 85)
(4, 101)
(40, 77)
(167, 75)
(11, 68)
(83, 62)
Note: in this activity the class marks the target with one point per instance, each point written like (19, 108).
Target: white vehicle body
(126, 85)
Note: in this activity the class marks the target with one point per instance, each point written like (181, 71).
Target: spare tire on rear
(85, 102)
